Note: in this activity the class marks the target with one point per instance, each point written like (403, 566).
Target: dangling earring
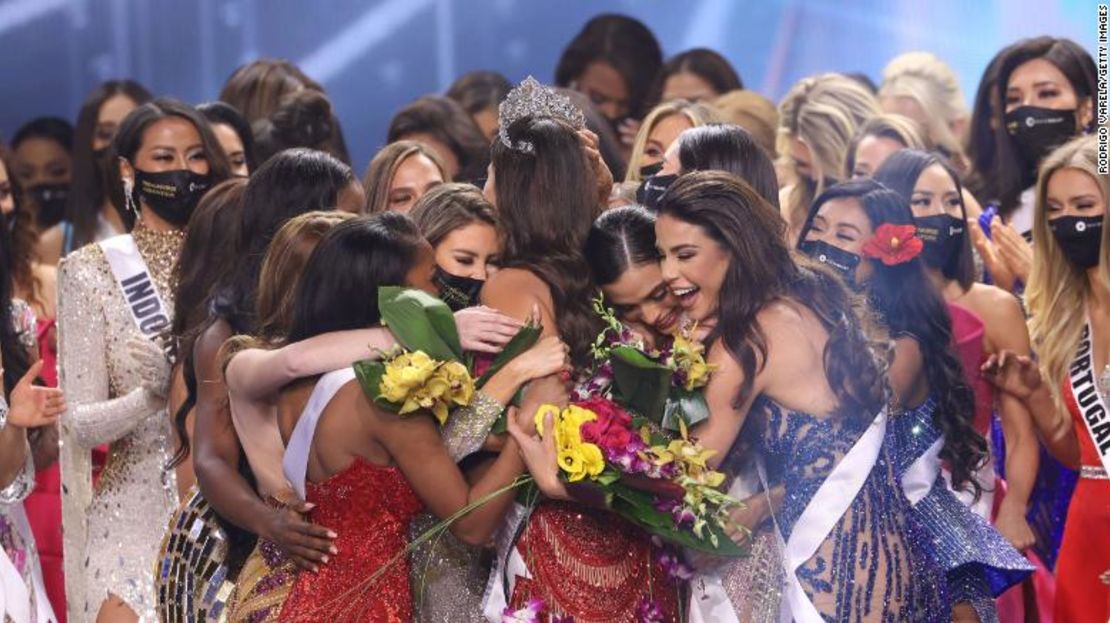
(128, 196)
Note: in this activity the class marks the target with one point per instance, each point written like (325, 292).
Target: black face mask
(1080, 238)
(1037, 131)
(50, 201)
(172, 195)
(649, 170)
(458, 292)
(943, 236)
(843, 262)
(651, 190)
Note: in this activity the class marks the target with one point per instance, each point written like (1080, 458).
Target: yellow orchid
(415, 381)
(689, 356)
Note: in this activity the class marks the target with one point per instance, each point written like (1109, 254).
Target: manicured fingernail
(325, 559)
(333, 550)
(332, 535)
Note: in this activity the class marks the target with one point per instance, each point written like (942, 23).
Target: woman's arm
(31, 407)
(1006, 327)
(257, 374)
(93, 417)
(1019, 377)
(216, 459)
(415, 445)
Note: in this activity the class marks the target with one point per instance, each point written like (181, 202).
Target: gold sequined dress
(111, 533)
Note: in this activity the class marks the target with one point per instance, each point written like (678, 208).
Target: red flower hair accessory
(894, 244)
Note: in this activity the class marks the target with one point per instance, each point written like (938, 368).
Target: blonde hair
(754, 113)
(1057, 290)
(895, 127)
(698, 114)
(824, 112)
(379, 175)
(929, 81)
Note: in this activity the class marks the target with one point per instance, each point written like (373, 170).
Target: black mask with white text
(172, 195)
(841, 261)
(943, 236)
(1079, 238)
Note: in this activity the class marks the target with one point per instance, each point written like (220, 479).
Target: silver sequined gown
(112, 533)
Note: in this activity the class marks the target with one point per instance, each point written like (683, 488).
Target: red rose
(611, 429)
(893, 244)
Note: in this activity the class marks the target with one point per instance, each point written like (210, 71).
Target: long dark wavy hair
(90, 186)
(761, 270)
(546, 201)
(205, 261)
(17, 359)
(291, 183)
(899, 172)
(909, 305)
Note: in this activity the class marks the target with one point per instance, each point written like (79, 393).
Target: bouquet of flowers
(661, 384)
(659, 481)
(428, 369)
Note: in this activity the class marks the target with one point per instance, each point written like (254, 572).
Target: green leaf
(636, 506)
(369, 374)
(689, 406)
(641, 383)
(523, 340)
(420, 321)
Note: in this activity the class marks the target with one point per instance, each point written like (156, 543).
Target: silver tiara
(532, 99)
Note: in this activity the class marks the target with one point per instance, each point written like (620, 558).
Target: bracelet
(3, 413)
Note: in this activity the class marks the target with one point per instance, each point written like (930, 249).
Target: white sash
(1085, 390)
(15, 601)
(922, 473)
(134, 280)
(295, 463)
(829, 504)
(508, 567)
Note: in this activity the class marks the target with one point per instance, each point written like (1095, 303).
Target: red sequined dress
(591, 565)
(370, 507)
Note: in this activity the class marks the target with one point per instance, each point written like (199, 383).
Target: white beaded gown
(112, 532)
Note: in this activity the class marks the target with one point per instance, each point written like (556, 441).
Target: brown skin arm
(216, 458)
(1006, 331)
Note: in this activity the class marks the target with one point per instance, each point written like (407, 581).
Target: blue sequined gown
(868, 568)
(979, 562)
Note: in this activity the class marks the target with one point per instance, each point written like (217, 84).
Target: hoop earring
(129, 198)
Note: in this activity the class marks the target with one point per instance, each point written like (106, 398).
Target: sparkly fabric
(112, 534)
(591, 565)
(1085, 553)
(263, 585)
(868, 567)
(191, 582)
(961, 541)
(754, 584)
(371, 508)
(20, 548)
(449, 577)
(21, 552)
